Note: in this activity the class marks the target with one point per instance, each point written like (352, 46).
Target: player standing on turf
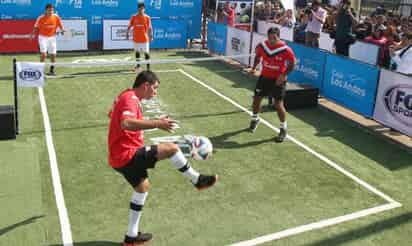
(46, 26)
(129, 156)
(142, 34)
(278, 60)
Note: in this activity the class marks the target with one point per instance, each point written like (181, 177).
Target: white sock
(284, 125)
(182, 164)
(136, 206)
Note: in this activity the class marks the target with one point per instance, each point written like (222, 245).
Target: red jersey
(48, 25)
(275, 58)
(124, 143)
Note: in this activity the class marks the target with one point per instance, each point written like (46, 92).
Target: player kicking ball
(278, 60)
(129, 156)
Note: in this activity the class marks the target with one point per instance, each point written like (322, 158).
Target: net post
(16, 101)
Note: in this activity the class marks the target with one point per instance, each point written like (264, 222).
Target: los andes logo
(29, 74)
(398, 101)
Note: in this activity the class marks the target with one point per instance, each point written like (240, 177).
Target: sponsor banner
(364, 52)
(166, 34)
(15, 36)
(393, 106)
(286, 33)
(74, 37)
(95, 11)
(310, 65)
(350, 83)
(30, 74)
(238, 42)
(216, 37)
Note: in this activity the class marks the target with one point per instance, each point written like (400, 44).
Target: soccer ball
(202, 148)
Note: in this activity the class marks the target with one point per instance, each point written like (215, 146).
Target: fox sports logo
(29, 74)
(398, 101)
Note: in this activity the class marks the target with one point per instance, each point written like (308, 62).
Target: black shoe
(139, 240)
(205, 181)
(253, 125)
(281, 136)
(51, 73)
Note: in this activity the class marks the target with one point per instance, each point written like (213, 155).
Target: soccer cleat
(253, 124)
(281, 136)
(205, 181)
(51, 73)
(139, 240)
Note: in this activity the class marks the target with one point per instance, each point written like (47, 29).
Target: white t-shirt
(403, 63)
(314, 25)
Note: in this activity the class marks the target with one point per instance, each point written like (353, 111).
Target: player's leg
(179, 161)
(42, 48)
(135, 172)
(279, 94)
(52, 49)
(147, 55)
(137, 54)
(259, 93)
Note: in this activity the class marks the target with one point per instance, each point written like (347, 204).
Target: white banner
(114, 35)
(393, 106)
(75, 36)
(30, 74)
(238, 43)
(364, 52)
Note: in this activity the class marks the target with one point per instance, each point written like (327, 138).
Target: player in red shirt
(129, 156)
(277, 61)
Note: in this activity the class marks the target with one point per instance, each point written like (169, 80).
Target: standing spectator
(380, 40)
(229, 13)
(286, 20)
(142, 34)
(301, 4)
(402, 55)
(344, 37)
(299, 30)
(46, 26)
(317, 18)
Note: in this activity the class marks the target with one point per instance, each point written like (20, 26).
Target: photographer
(317, 16)
(344, 37)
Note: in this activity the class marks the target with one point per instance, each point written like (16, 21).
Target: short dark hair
(139, 5)
(274, 30)
(316, 3)
(49, 5)
(145, 76)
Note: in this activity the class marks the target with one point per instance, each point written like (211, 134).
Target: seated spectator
(379, 39)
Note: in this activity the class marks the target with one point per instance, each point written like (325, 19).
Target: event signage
(15, 36)
(393, 106)
(166, 34)
(237, 43)
(216, 37)
(350, 83)
(30, 74)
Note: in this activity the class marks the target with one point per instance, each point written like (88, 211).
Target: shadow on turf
(222, 142)
(377, 227)
(21, 223)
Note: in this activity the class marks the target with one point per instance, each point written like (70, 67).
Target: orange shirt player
(142, 34)
(46, 26)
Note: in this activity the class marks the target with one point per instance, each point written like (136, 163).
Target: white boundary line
(316, 225)
(57, 187)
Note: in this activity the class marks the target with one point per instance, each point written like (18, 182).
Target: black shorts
(267, 87)
(135, 171)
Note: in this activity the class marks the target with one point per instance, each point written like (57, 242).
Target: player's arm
(129, 27)
(291, 63)
(150, 30)
(256, 62)
(35, 28)
(60, 25)
(131, 124)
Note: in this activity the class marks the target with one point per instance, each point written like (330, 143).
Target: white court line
(317, 225)
(57, 187)
(324, 223)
